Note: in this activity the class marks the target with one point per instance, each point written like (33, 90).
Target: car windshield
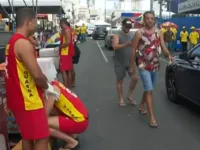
(101, 30)
(115, 31)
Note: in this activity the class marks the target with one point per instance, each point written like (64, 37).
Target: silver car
(108, 37)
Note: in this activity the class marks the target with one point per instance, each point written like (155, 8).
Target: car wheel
(171, 87)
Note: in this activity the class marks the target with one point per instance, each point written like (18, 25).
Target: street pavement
(122, 128)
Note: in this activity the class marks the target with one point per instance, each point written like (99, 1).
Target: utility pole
(151, 5)
(73, 13)
(161, 4)
(105, 11)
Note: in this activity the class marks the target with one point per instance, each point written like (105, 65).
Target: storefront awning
(189, 6)
(44, 6)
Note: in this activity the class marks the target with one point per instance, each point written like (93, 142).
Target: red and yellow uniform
(65, 54)
(24, 98)
(72, 50)
(73, 118)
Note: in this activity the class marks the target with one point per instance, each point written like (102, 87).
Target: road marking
(104, 56)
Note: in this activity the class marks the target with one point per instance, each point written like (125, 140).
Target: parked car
(182, 77)
(109, 36)
(99, 32)
(90, 30)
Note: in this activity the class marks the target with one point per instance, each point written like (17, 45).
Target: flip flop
(153, 125)
(122, 104)
(143, 112)
(74, 148)
(132, 102)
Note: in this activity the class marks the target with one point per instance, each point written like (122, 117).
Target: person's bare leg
(73, 135)
(41, 144)
(149, 102)
(142, 104)
(73, 77)
(65, 77)
(120, 92)
(54, 129)
(132, 86)
(69, 79)
(27, 144)
(71, 142)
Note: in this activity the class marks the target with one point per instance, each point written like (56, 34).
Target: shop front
(189, 7)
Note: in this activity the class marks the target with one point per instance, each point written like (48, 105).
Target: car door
(188, 75)
(194, 75)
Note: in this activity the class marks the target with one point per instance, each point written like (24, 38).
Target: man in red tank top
(68, 116)
(66, 53)
(148, 40)
(25, 84)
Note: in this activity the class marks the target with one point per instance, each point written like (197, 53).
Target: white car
(90, 30)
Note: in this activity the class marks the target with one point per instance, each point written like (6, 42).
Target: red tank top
(70, 104)
(70, 49)
(21, 90)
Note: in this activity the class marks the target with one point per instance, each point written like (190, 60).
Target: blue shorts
(148, 79)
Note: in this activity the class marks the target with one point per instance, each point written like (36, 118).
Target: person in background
(72, 53)
(168, 38)
(6, 28)
(66, 64)
(77, 32)
(148, 40)
(67, 117)
(83, 33)
(164, 28)
(122, 46)
(25, 84)
(194, 37)
(184, 38)
(174, 30)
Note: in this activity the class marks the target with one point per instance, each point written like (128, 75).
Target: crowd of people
(42, 108)
(188, 40)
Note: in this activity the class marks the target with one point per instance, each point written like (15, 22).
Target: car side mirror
(184, 56)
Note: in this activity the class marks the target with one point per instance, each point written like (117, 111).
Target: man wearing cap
(122, 46)
(184, 38)
(194, 37)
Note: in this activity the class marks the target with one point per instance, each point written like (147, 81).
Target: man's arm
(135, 43)
(67, 39)
(116, 45)
(24, 52)
(163, 46)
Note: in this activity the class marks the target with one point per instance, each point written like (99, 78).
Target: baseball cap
(127, 23)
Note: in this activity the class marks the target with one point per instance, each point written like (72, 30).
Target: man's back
(123, 55)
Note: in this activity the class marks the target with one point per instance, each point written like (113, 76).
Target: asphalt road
(116, 128)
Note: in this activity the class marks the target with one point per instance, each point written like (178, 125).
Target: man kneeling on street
(66, 117)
